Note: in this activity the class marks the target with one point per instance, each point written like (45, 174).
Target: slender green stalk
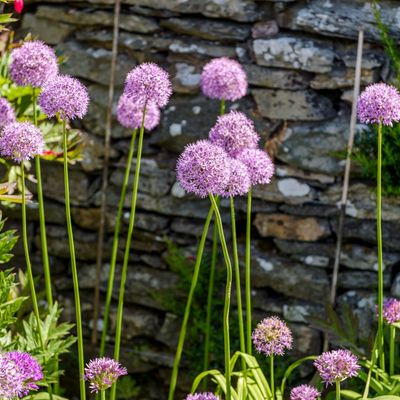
(374, 357)
(392, 348)
(81, 356)
(337, 390)
(115, 244)
(228, 289)
(103, 395)
(379, 242)
(272, 383)
(222, 108)
(118, 329)
(42, 223)
(193, 285)
(247, 275)
(237, 275)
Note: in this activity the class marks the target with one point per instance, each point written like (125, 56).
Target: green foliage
(127, 388)
(7, 242)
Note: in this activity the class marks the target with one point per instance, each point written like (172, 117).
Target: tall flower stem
(337, 390)
(193, 285)
(118, 329)
(247, 274)
(237, 276)
(81, 357)
(103, 395)
(228, 290)
(115, 244)
(379, 242)
(272, 383)
(222, 108)
(392, 348)
(42, 223)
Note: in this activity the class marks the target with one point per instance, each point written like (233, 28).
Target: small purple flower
(7, 114)
(102, 373)
(223, 79)
(239, 180)
(202, 396)
(379, 102)
(203, 168)
(391, 311)
(130, 113)
(234, 132)
(148, 83)
(272, 336)
(260, 166)
(304, 392)
(21, 141)
(34, 63)
(65, 96)
(336, 365)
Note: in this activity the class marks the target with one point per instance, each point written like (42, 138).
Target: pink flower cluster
(304, 392)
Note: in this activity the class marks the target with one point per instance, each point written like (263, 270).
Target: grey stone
(395, 289)
(310, 210)
(168, 332)
(304, 105)
(300, 311)
(360, 280)
(264, 29)
(201, 48)
(186, 78)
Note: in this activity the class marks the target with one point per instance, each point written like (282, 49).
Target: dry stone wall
(300, 59)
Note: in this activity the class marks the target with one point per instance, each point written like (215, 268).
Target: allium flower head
(7, 114)
(130, 113)
(304, 392)
(148, 83)
(336, 365)
(234, 132)
(203, 168)
(34, 63)
(223, 79)
(391, 311)
(379, 102)
(21, 141)
(272, 337)
(64, 95)
(102, 373)
(239, 180)
(260, 166)
(202, 396)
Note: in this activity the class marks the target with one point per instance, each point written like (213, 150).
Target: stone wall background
(300, 59)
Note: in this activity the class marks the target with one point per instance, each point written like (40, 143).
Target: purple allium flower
(239, 180)
(260, 166)
(203, 168)
(223, 79)
(304, 392)
(7, 114)
(148, 83)
(102, 373)
(130, 113)
(234, 132)
(21, 141)
(336, 365)
(391, 310)
(64, 95)
(34, 63)
(379, 102)
(202, 396)
(272, 336)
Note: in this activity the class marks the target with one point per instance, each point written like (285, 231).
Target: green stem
(81, 357)
(380, 257)
(392, 348)
(222, 108)
(118, 329)
(337, 390)
(247, 274)
(103, 395)
(373, 360)
(237, 275)
(272, 383)
(115, 244)
(228, 290)
(193, 285)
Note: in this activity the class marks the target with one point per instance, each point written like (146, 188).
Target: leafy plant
(127, 388)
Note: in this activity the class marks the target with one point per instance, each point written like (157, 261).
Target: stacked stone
(300, 59)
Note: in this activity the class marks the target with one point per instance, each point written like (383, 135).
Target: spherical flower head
(102, 373)
(272, 337)
(379, 103)
(7, 114)
(223, 79)
(203, 168)
(234, 132)
(336, 365)
(34, 63)
(130, 113)
(148, 83)
(202, 396)
(11, 379)
(304, 392)
(21, 141)
(239, 180)
(260, 166)
(391, 311)
(66, 96)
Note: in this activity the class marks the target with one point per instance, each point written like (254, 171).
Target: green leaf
(292, 367)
